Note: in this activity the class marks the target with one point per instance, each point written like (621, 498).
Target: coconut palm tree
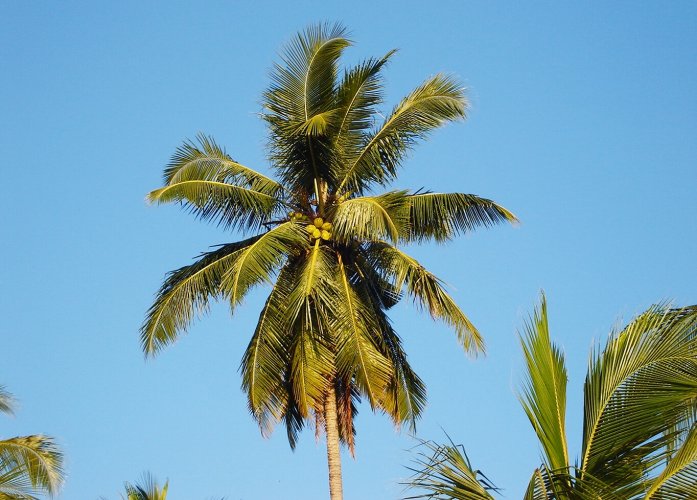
(29, 465)
(639, 428)
(324, 240)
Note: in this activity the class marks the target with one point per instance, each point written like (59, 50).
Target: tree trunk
(333, 444)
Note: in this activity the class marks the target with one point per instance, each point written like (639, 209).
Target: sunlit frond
(635, 391)
(371, 218)
(30, 465)
(441, 216)
(679, 478)
(427, 291)
(207, 161)
(437, 101)
(146, 489)
(445, 473)
(544, 389)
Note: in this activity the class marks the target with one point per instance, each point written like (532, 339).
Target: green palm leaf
(544, 391)
(437, 101)
(30, 465)
(146, 489)
(441, 216)
(371, 218)
(679, 478)
(635, 391)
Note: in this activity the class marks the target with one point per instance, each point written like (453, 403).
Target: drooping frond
(266, 359)
(207, 161)
(7, 401)
(371, 218)
(30, 465)
(441, 216)
(230, 205)
(229, 271)
(541, 486)
(427, 291)
(445, 473)
(357, 354)
(679, 478)
(544, 389)
(437, 101)
(636, 390)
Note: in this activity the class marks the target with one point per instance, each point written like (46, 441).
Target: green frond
(347, 399)
(7, 401)
(146, 489)
(208, 161)
(230, 271)
(266, 359)
(544, 389)
(679, 478)
(437, 101)
(359, 93)
(427, 291)
(441, 216)
(229, 205)
(445, 472)
(636, 391)
(371, 218)
(30, 465)
(357, 354)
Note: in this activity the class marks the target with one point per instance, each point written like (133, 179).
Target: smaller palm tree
(639, 427)
(146, 489)
(29, 465)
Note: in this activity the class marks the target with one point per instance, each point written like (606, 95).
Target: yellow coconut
(327, 226)
(326, 235)
(310, 228)
(318, 222)
(316, 233)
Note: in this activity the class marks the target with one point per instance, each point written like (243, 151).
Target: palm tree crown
(324, 240)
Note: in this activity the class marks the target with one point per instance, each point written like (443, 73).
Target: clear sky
(583, 123)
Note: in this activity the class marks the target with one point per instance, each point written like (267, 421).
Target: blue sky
(583, 123)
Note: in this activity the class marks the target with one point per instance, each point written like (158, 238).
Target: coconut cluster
(319, 229)
(297, 216)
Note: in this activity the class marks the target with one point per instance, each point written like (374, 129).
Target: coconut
(326, 235)
(318, 222)
(310, 228)
(316, 233)
(327, 226)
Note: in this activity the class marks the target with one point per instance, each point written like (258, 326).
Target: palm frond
(636, 390)
(300, 98)
(441, 216)
(679, 478)
(146, 489)
(230, 271)
(209, 161)
(544, 389)
(427, 291)
(437, 101)
(445, 472)
(30, 465)
(229, 205)
(371, 218)
(7, 401)
(357, 354)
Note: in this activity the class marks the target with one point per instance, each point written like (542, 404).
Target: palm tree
(639, 426)
(29, 465)
(146, 489)
(324, 241)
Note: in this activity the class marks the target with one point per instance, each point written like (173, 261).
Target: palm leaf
(445, 472)
(544, 390)
(7, 401)
(146, 489)
(427, 291)
(371, 218)
(679, 478)
(441, 216)
(437, 101)
(30, 465)
(636, 390)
